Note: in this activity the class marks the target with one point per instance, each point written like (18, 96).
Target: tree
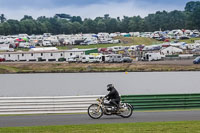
(76, 27)
(76, 19)
(67, 24)
(2, 18)
(134, 24)
(6, 28)
(192, 11)
(111, 25)
(26, 17)
(1, 29)
(192, 6)
(14, 25)
(55, 26)
(28, 26)
(124, 24)
(89, 26)
(41, 28)
(176, 20)
(106, 16)
(101, 26)
(42, 19)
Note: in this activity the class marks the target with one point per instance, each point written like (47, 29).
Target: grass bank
(6, 68)
(137, 40)
(125, 41)
(191, 40)
(154, 127)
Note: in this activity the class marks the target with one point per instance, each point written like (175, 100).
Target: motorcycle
(96, 111)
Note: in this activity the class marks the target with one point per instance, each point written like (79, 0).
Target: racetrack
(73, 119)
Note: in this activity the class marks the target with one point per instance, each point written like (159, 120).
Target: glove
(107, 97)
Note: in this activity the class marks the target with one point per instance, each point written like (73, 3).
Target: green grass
(88, 46)
(153, 127)
(22, 49)
(97, 46)
(78, 67)
(8, 69)
(146, 41)
(190, 40)
(62, 47)
(126, 41)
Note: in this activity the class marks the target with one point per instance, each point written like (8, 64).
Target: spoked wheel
(127, 111)
(95, 111)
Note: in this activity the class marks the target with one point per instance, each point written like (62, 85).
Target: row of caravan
(68, 56)
(111, 58)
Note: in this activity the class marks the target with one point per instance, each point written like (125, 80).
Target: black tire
(100, 109)
(130, 108)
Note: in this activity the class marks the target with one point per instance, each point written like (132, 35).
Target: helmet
(109, 87)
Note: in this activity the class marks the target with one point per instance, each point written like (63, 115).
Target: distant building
(52, 55)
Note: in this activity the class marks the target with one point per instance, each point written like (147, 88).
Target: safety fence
(158, 102)
(40, 105)
(79, 104)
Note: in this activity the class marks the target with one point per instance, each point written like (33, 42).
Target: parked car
(196, 51)
(161, 39)
(62, 59)
(197, 60)
(2, 59)
(73, 59)
(184, 37)
(127, 60)
(47, 43)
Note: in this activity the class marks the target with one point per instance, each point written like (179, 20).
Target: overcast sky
(16, 9)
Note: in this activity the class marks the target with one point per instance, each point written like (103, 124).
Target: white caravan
(113, 58)
(152, 57)
(46, 43)
(91, 59)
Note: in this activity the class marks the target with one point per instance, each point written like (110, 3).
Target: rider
(113, 96)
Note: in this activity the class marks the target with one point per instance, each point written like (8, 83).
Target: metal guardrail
(157, 102)
(40, 105)
(79, 104)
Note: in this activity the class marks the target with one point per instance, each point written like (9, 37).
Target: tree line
(67, 24)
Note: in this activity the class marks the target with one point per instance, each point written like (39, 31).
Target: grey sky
(16, 9)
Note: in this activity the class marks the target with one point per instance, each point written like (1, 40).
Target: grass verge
(150, 127)
(6, 68)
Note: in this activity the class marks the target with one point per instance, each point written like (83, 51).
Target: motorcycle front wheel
(127, 111)
(95, 111)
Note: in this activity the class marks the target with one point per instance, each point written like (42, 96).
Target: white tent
(4, 46)
(171, 51)
(43, 49)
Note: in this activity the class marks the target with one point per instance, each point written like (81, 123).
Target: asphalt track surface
(74, 119)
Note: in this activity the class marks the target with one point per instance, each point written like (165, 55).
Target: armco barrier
(79, 104)
(157, 102)
(40, 105)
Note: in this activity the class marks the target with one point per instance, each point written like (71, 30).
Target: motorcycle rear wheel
(95, 111)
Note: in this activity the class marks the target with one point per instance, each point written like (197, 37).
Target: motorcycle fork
(98, 107)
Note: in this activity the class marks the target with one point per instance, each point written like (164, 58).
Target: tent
(22, 39)
(171, 51)
(25, 39)
(19, 40)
